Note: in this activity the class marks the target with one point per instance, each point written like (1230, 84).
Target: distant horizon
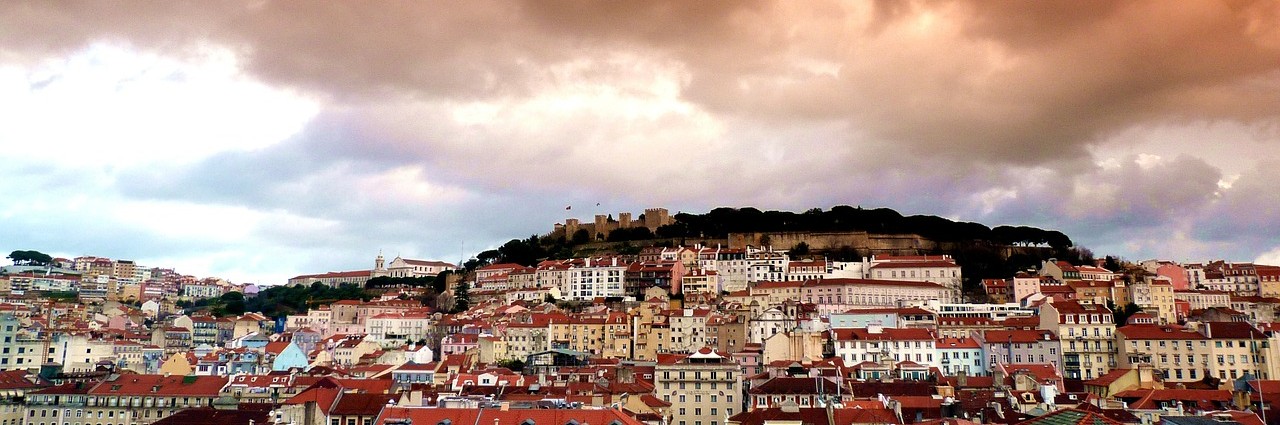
(284, 281)
(246, 140)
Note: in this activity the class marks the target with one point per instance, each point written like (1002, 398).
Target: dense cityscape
(668, 334)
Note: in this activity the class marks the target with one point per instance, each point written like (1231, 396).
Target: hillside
(842, 233)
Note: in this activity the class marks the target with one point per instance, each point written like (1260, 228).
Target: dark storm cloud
(1008, 81)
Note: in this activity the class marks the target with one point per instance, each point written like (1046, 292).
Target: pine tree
(462, 297)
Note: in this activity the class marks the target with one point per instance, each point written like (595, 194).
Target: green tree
(581, 236)
(549, 299)
(1121, 315)
(801, 248)
(63, 295)
(516, 365)
(1113, 264)
(233, 307)
(462, 297)
(30, 258)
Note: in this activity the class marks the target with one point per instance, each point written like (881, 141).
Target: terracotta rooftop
(1071, 417)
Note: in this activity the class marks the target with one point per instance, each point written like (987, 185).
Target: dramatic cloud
(261, 139)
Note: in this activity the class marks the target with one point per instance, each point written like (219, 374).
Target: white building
(961, 355)
(874, 343)
(597, 279)
(398, 329)
(404, 267)
(939, 269)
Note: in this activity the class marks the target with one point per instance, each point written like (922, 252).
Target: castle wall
(602, 226)
(876, 243)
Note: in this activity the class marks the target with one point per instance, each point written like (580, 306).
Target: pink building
(1177, 276)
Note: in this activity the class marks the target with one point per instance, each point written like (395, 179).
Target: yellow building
(799, 345)
(130, 292)
(1093, 291)
(1087, 334)
(1226, 350)
(1155, 296)
(1268, 281)
(492, 349)
(176, 365)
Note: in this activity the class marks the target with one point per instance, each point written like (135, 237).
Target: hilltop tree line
(278, 301)
(720, 222)
(30, 258)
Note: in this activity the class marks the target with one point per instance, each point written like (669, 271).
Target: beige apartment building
(1224, 350)
(1155, 296)
(703, 388)
(1200, 300)
(1087, 333)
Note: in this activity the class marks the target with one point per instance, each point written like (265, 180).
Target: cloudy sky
(260, 140)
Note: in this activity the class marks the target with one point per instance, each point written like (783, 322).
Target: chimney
(896, 406)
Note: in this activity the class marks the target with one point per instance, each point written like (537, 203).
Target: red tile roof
(1017, 336)
(1158, 332)
(1232, 330)
(1071, 417)
(957, 343)
(336, 275)
(513, 416)
(1109, 377)
(160, 385)
(788, 385)
(1150, 398)
(813, 415)
(357, 404)
(885, 334)
(212, 416)
(914, 264)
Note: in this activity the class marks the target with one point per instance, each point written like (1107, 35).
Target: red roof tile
(160, 385)
(513, 416)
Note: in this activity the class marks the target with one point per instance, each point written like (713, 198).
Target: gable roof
(514, 416)
(1071, 417)
(160, 385)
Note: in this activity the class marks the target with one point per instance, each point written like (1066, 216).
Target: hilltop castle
(653, 218)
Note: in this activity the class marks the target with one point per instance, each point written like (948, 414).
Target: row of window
(697, 411)
(697, 385)
(1203, 344)
(698, 375)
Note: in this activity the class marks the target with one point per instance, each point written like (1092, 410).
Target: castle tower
(602, 226)
(570, 227)
(655, 218)
(624, 220)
